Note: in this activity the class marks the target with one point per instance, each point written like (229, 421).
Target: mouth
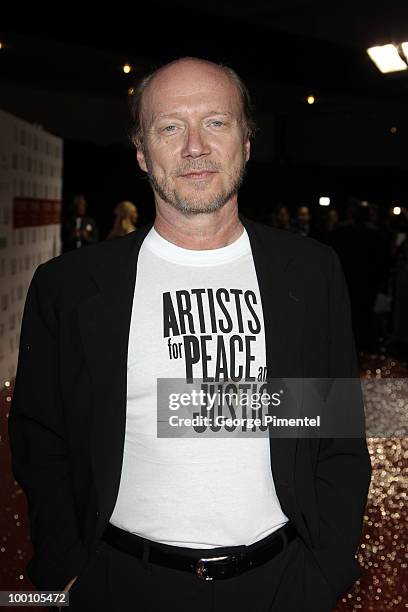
(198, 175)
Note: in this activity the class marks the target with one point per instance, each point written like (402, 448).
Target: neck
(199, 232)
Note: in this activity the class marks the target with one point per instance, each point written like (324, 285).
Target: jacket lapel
(104, 320)
(283, 324)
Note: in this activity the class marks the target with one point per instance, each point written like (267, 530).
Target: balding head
(184, 71)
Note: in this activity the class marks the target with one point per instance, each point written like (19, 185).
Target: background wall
(30, 206)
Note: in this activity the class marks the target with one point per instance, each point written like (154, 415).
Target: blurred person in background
(328, 222)
(78, 229)
(397, 225)
(302, 221)
(352, 206)
(363, 254)
(279, 217)
(373, 214)
(398, 343)
(126, 215)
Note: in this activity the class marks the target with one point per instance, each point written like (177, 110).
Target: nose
(195, 143)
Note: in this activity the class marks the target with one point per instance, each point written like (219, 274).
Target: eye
(217, 123)
(169, 129)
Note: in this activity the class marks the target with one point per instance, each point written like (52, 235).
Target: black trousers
(114, 580)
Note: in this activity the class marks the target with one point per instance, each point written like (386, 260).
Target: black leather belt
(211, 566)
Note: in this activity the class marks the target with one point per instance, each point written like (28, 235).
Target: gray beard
(189, 206)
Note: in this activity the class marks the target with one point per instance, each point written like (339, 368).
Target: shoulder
(312, 262)
(78, 263)
(289, 243)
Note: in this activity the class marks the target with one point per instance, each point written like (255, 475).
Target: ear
(140, 157)
(247, 146)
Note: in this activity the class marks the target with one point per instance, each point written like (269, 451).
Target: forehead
(190, 87)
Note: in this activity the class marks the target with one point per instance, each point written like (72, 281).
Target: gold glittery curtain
(383, 550)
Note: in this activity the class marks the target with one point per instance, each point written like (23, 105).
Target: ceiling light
(404, 47)
(324, 201)
(387, 58)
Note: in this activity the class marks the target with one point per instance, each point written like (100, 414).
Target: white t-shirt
(193, 492)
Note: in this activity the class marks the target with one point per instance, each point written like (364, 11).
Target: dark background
(67, 76)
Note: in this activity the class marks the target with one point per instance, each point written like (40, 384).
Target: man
(121, 517)
(78, 230)
(279, 217)
(302, 220)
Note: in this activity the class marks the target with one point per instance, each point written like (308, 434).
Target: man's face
(134, 215)
(194, 149)
(303, 215)
(332, 216)
(283, 216)
(80, 205)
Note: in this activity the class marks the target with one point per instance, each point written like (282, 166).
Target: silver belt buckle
(201, 569)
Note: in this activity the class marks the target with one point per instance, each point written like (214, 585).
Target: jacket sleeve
(343, 471)
(39, 454)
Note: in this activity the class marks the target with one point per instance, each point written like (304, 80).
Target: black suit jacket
(68, 412)
(68, 231)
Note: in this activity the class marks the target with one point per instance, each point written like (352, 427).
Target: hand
(69, 585)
